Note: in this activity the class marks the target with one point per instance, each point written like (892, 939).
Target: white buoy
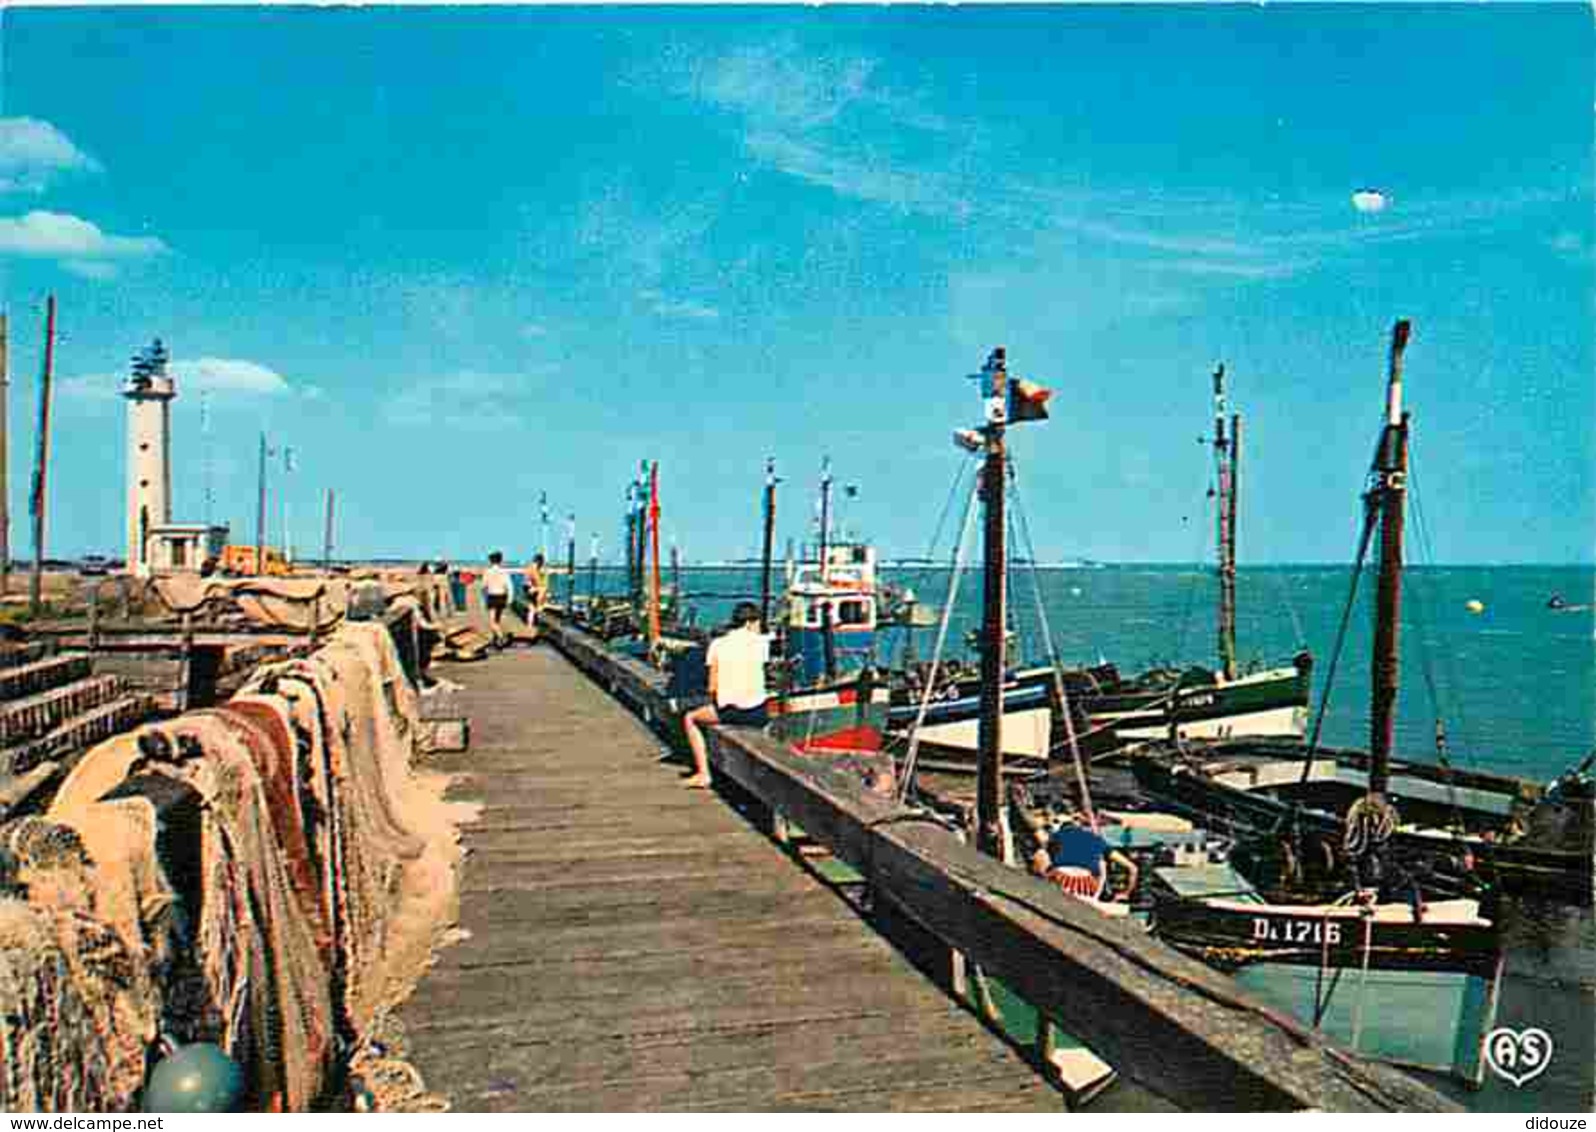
(1474, 605)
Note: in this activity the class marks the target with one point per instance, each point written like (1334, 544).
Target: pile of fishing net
(267, 876)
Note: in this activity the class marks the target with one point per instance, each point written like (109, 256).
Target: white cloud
(1571, 246)
(1369, 200)
(90, 268)
(79, 244)
(467, 400)
(777, 84)
(227, 376)
(667, 307)
(33, 152)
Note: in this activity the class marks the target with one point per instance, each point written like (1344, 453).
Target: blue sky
(457, 258)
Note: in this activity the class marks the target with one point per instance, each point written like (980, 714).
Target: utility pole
(327, 535)
(41, 463)
(260, 513)
(288, 538)
(994, 618)
(5, 458)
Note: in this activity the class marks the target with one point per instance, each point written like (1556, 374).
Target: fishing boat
(1215, 914)
(1412, 983)
(1194, 702)
(1518, 836)
(829, 696)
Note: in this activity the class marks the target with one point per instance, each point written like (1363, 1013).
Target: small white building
(183, 547)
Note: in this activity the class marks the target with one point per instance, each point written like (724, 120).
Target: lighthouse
(149, 392)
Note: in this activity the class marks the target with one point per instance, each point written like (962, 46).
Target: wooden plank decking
(634, 945)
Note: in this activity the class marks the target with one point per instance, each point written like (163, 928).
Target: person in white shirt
(496, 589)
(737, 692)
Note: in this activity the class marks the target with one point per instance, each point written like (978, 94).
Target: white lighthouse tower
(149, 392)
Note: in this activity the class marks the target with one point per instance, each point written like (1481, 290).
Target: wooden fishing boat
(1513, 834)
(1194, 702)
(1213, 913)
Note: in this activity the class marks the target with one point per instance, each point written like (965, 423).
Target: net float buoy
(195, 1078)
(1474, 605)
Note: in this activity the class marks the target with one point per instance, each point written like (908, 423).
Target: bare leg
(691, 723)
(497, 619)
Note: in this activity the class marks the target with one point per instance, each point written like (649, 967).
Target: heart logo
(1518, 1056)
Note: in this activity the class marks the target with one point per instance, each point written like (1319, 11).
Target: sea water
(1511, 682)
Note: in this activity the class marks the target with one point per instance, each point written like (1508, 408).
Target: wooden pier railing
(1164, 1020)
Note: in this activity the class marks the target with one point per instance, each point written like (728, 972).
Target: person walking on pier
(736, 663)
(537, 590)
(496, 594)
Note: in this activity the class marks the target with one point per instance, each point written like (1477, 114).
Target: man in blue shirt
(1076, 859)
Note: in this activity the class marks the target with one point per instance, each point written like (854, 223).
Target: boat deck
(635, 945)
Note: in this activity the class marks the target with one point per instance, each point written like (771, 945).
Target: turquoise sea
(1514, 685)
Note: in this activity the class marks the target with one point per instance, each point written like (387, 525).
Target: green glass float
(195, 1078)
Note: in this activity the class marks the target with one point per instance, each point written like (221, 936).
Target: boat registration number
(1295, 931)
(1199, 699)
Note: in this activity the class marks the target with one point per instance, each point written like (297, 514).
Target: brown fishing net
(268, 875)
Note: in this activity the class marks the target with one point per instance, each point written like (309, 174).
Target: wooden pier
(636, 945)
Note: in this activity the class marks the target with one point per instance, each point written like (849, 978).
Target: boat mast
(1390, 490)
(653, 537)
(825, 517)
(570, 564)
(1225, 485)
(768, 545)
(994, 617)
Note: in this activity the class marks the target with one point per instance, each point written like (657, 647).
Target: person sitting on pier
(1076, 859)
(496, 593)
(736, 663)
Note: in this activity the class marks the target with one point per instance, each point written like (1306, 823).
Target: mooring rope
(936, 656)
(1070, 739)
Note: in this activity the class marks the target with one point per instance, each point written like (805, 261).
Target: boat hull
(1230, 935)
(1565, 874)
(1272, 704)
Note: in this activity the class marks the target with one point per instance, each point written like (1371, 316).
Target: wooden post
(5, 458)
(94, 615)
(186, 651)
(41, 465)
(994, 621)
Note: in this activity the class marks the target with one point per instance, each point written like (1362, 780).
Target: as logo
(1518, 1056)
